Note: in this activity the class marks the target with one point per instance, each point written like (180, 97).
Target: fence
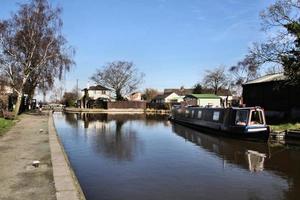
(126, 105)
(161, 106)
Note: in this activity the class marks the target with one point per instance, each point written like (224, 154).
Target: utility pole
(77, 88)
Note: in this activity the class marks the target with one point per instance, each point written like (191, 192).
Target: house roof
(203, 96)
(268, 78)
(180, 92)
(162, 96)
(97, 87)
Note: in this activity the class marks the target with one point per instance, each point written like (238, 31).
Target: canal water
(126, 157)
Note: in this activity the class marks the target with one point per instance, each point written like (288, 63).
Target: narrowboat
(247, 122)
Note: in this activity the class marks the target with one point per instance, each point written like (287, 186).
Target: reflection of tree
(118, 143)
(147, 119)
(71, 119)
(87, 118)
(283, 161)
(111, 137)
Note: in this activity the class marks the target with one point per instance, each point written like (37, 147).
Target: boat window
(216, 116)
(199, 114)
(241, 117)
(256, 117)
(192, 114)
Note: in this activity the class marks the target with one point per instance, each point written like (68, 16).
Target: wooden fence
(126, 105)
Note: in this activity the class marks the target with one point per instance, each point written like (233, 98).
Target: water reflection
(117, 143)
(109, 136)
(282, 160)
(74, 119)
(142, 153)
(255, 160)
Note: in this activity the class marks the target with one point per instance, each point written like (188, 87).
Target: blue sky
(172, 41)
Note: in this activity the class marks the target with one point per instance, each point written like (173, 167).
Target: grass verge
(284, 127)
(5, 125)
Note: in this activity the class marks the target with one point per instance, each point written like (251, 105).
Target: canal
(126, 157)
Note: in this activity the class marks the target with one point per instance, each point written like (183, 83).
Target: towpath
(27, 141)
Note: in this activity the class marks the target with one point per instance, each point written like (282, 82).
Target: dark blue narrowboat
(247, 122)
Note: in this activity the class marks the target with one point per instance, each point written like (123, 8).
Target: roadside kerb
(66, 183)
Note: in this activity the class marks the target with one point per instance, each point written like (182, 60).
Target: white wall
(95, 94)
(171, 97)
(205, 102)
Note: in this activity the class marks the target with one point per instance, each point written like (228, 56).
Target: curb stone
(66, 184)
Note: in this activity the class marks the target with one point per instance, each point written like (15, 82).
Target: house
(203, 100)
(6, 96)
(225, 94)
(226, 97)
(167, 98)
(5, 89)
(273, 93)
(94, 94)
(136, 96)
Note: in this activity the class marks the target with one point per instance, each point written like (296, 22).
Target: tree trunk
(18, 104)
(118, 95)
(216, 91)
(19, 97)
(44, 96)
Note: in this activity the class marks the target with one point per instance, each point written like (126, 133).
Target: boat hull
(234, 132)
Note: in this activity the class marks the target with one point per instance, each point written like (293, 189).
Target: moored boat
(246, 122)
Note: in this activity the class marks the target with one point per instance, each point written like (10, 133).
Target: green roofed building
(203, 100)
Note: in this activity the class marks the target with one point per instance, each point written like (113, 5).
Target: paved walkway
(34, 138)
(27, 141)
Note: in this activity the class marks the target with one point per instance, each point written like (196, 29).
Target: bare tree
(32, 47)
(57, 94)
(274, 70)
(245, 70)
(215, 79)
(149, 94)
(282, 49)
(120, 76)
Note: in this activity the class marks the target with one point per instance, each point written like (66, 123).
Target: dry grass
(284, 127)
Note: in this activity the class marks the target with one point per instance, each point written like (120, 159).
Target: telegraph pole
(77, 88)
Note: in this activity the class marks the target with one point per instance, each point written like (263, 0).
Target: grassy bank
(5, 125)
(286, 126)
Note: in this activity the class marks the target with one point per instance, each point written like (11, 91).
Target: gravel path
(25, 142)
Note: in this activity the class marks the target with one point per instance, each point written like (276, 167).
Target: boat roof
(234, 108)
(246, 108)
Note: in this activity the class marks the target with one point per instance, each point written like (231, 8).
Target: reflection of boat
(246, 122)
(281, 160)
(255, 160)
(230, 150)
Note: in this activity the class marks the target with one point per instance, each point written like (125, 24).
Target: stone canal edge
(65, 181)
